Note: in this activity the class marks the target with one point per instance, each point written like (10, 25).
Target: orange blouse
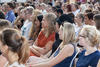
(42, 40)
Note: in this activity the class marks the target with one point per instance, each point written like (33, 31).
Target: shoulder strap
(77, 52)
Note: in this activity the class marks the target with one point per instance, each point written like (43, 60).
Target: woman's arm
(45, 49)
(65, 52)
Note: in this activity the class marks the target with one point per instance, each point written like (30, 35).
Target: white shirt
(15, 64)
(26, 28)
(76, 12)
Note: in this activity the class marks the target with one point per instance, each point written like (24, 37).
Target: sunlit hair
(51, 19)
(92, 34)
(33, 31)
(29, 10)
(68, 33)
(16, 43)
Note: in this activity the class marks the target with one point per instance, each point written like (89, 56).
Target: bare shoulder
(69, 46)
(69, 49)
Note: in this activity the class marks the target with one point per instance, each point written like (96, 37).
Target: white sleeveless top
(15, 64)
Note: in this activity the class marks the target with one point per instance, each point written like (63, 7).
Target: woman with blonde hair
(89, 39)
(46, 37)
(66, 51)
(14, 47)
(36, 25)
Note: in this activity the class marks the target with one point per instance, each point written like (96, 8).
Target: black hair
(50, 4)
(90, 15)
(11, 5)
(66, 17)
(60, 11)
(40, 17)
(59, 22)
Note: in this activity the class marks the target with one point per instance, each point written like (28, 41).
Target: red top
(42, 40)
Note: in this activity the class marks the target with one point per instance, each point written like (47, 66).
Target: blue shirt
(66, 62)
(10, 16)
(88, 60)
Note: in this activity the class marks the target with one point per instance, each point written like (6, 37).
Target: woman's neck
(90, 50)
(12, 57)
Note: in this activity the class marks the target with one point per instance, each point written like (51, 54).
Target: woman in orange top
(45, 40)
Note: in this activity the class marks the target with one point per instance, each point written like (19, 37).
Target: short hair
(29, 9)
(66, 17)
(90, 15)
(92, 34)
(2, 16)
(4, 24)
(11, 5)
(60, 11)
(88, 10)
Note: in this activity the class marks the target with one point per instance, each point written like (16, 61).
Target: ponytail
(23, 52)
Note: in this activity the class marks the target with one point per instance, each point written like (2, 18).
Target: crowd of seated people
(51, 34)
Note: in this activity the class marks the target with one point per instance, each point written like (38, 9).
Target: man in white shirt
(28, 23)
(75, 9)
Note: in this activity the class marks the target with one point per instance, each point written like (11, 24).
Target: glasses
(82, 36)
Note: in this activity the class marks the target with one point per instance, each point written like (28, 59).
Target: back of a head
(16, 43)
(90, 15)
(4, 24)
(60, 11)
(69, 36)
(66, 17)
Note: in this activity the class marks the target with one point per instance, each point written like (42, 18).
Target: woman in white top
(14, 47)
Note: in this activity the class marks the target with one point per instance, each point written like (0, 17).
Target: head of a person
(58, 3)
(19, 9)
(22, 14)
(4, 7)
(68, 8)
(79, 18)
(48, 22)
(4, 24)
(67, 33)
(2, 15)
(97, 21)
(28, 12)
(10, 6)
(88, 10)
(66, 17)
(59, 12)
(89, 36)
(88, 18)
(74, 7)
(34, 15)
(11, 42)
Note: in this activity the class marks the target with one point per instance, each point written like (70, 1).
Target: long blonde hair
(68, 33)
(51, 19)
(33, 28)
